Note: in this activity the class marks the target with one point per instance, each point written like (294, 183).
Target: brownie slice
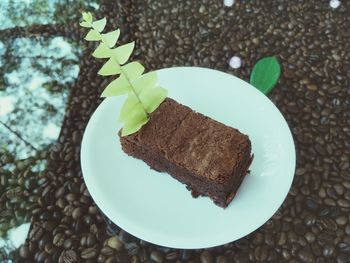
(208, 156)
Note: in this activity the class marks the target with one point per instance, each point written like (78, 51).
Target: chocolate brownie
(208, 156)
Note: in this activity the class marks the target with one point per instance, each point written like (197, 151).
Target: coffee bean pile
(311, 41)
(19, 190)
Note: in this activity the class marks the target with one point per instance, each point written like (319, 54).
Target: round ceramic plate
(155, 207)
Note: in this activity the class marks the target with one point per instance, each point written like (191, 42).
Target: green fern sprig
(143, 93)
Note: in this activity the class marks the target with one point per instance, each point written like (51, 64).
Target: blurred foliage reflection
(38, 65)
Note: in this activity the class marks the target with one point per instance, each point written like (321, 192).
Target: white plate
(155, 207)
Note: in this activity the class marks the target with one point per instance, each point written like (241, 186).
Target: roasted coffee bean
(328, 250)
(111, 259)
(269, 240)
(310, 237)
(186, 254)
(115, 243)
(92, 210)
(143, 255)
(57, 215)
(77, 212)
(93, 229)
(43, 241)
(49, 225)
(88, 220)
(60, 192)
(342, 258)
(90, 240)
(125, 237)
(71, 197)
(33, 247)
(68, 256)
(40, 256)
(78, 226)
(305, 255)
(24, 251)
(58, 239)
(206, 257)
(67, 244)
(157, 256)
(171, 255)
(261, 253)
(68, 210)
(107, 251)
(83, 241)
(132, 248)
(344, 247)
(241, 258)
(61, 203)
(36, 233)
(88, 253)
(281, 238)
(50, 248)
(310, 220)
(135, 259)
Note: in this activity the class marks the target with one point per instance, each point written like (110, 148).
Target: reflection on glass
(37, 74)
(13, 240)
(35, 93)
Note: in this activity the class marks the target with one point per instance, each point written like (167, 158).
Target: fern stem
(122, 72)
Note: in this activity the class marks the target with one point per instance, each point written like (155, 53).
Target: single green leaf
(117, 87)
(265, 74)
(102, 51)
(123, 52)
(111, 67)
(133, 70)
(87, 16)
(135, 114)
(130, 103)
(93, 36)
(99, 25)
(85, 24)
(145, 82)
(111, 38)
(134, 124)
(153, 98)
